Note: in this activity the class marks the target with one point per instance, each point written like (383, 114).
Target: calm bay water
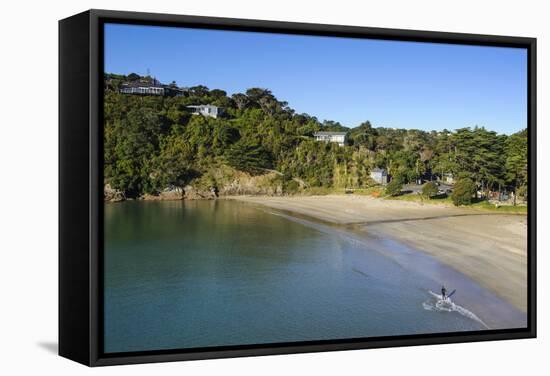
(215, 273)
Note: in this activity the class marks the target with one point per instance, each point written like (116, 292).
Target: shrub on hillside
(291, 187)
(430, 189)
(394, 188)
(463, 192)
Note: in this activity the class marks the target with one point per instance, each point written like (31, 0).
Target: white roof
(330, 133)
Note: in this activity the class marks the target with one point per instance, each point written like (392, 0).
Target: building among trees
(151, 87)
(379, 175)
(207, 110)
(337, 137)
(448, 178)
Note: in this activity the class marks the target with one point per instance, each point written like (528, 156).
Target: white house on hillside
(206, 110)
(449, 178)
(379, 175)
(151, 87)
(337, 137)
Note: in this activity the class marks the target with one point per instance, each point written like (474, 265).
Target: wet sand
(490, 248)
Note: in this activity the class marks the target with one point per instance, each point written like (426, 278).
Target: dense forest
(152, 143)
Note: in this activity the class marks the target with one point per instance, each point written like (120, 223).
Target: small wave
(437, 303)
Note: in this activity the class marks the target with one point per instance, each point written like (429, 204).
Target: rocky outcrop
(174, 193)
(112, 195)
(196, 193)
(244, 184)
(217, 183)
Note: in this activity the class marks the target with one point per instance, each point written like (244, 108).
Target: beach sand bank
(490, 248)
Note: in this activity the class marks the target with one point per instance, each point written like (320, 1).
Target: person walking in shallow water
(443, 293)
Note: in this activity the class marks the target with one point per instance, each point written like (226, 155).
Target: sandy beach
(490, 248)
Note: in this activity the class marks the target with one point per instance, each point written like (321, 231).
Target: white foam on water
(437, 303)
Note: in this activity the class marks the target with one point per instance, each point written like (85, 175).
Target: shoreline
(489, 248)
(210, 197)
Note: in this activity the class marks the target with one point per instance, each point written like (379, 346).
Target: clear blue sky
(393, 84)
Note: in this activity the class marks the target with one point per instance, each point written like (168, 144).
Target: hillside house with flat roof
(151, 87)
(336, 137)
(208, 110)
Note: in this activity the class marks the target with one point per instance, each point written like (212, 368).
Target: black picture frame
(80, 170)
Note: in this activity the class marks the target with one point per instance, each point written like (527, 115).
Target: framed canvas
(236, 187)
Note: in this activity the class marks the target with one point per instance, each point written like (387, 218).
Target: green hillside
(154, 142)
